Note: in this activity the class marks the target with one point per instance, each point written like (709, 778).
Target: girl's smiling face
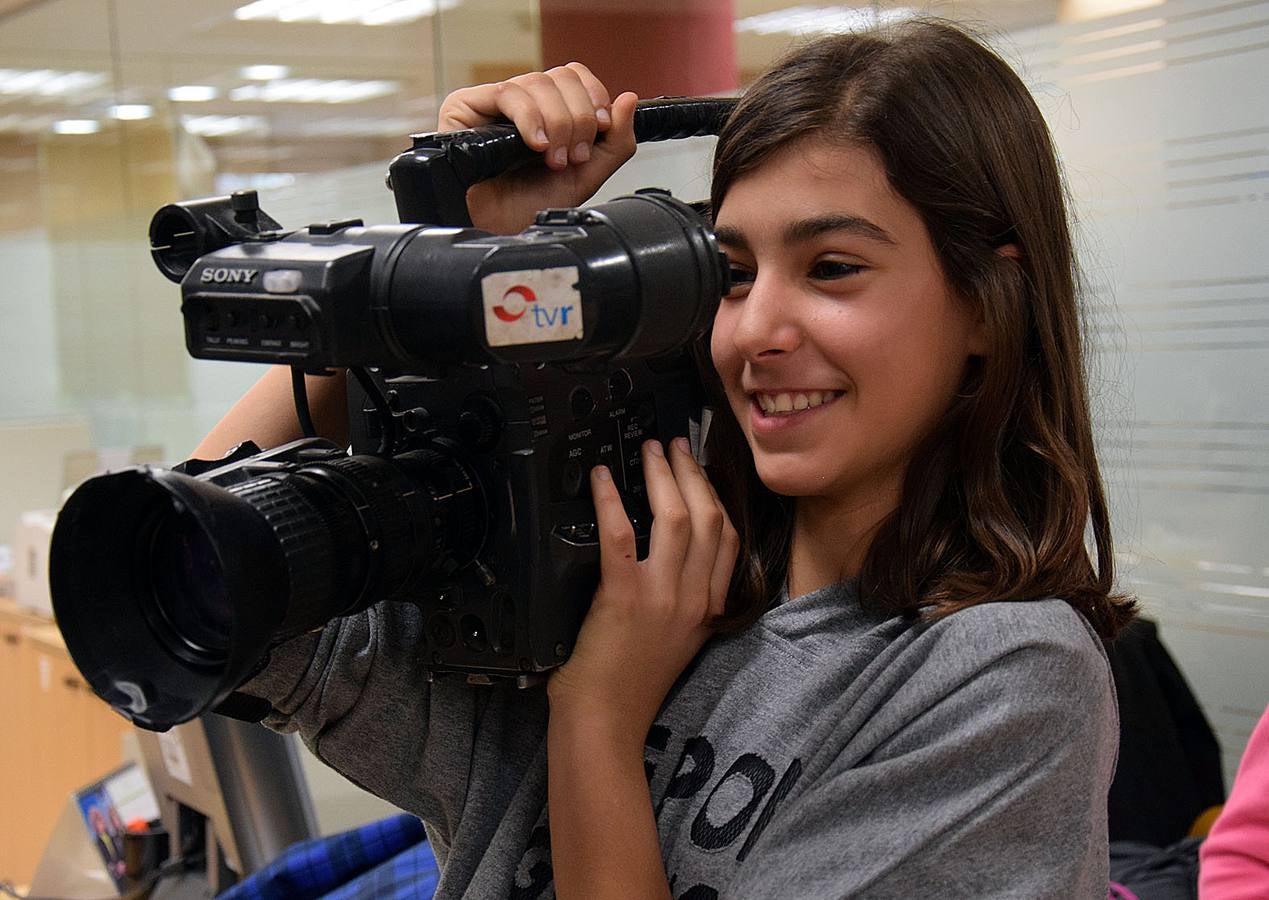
(841, 344)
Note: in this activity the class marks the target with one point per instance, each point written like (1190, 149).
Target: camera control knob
(480, 423)
(619, 385)
(582, 403)
(416, 419)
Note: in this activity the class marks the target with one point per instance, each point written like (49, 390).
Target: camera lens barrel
(169, 588)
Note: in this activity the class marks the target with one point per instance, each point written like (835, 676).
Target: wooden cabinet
(13, 695)
(58, 736)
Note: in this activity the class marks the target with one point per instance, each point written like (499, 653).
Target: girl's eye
(741, 278)
(829, 269)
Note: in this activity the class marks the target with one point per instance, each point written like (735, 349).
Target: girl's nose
(766, 324)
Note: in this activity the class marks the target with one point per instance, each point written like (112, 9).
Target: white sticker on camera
(532, 306)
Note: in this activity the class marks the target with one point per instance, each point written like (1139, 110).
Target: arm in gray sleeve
(982, 772)
(357, 693)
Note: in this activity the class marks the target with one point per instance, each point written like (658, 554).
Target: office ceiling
(139, 49)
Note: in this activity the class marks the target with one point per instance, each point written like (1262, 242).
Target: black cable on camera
(300, 391)
(388, 439)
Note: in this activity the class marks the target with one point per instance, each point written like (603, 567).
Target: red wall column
(651, 47)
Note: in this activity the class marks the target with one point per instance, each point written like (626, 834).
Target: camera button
(582, 403)
(572, 478)
(442, 632)
(474, 634)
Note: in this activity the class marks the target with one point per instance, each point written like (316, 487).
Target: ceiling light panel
(77, 126)
(192, 93)
(343, 12)
(264, 73)
(311, 90)
(47, 82)
(219, 126)
(821, 19)
(130, 112)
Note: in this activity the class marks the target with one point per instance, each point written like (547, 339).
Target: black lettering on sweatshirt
(787, 781)
(759, 775)
(695, 766)
(658, 739)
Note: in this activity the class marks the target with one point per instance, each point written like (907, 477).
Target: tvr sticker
(532, 306)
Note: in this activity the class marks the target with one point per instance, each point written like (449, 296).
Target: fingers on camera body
(693, 544)
(558, 112)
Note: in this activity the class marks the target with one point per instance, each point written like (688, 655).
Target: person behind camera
(864, 656)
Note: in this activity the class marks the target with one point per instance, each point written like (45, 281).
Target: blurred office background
(111, 108)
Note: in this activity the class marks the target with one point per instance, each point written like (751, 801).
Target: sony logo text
(228, 276)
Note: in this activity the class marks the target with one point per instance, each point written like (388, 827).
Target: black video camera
(490, 373)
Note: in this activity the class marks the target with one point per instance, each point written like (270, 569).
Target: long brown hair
(998, 500)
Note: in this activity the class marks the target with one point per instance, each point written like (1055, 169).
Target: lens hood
(142, 565)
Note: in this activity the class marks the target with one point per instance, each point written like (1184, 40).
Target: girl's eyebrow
(805, 229)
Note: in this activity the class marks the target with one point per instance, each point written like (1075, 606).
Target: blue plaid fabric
(385, 860)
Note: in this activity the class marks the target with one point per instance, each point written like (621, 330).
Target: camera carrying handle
(430, 180)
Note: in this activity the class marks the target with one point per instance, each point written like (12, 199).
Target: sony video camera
(489, 375)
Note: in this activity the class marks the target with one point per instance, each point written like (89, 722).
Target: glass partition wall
(111, 108)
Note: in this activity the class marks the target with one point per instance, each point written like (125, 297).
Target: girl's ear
(980, 335)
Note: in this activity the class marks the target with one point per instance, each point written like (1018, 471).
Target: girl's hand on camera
(650, 618)
(560, 113)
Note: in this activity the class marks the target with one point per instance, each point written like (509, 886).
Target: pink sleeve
(1234, 859)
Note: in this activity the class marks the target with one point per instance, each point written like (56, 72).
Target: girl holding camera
(865, 654)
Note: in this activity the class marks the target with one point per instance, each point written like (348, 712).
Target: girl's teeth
(784, 403)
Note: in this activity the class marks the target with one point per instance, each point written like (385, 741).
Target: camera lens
(170, 588)
(188, 586)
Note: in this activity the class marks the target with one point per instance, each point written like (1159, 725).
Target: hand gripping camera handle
(431, 179)
(490, 150)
